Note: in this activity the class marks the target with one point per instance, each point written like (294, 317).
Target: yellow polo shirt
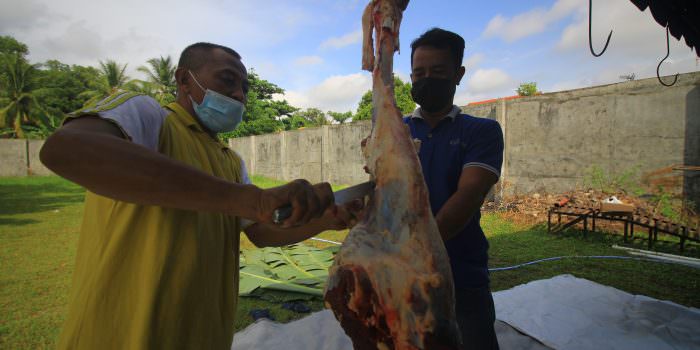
(148, 277)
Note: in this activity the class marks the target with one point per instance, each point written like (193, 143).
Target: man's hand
(334, 218)
(307, 201)
(344, 216)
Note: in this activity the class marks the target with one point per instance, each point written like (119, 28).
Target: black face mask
(433, 94)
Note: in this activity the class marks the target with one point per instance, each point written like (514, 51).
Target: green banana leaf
(294, 270)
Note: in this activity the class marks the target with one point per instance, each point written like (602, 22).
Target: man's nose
(239, 95)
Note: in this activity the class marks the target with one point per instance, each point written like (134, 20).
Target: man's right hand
(307, 201)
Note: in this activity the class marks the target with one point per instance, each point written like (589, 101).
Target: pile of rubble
(532, 208)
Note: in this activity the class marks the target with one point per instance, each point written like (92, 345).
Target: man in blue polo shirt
(461, 158)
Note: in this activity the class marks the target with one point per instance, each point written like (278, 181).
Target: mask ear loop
(195, 80)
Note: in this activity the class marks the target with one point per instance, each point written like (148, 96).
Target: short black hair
(441, 39)
(193, 57)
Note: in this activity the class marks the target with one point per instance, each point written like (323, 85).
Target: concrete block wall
(343, 160)
(551, 140)
(21, 158)
(35, 165)
(13, 154)
(267, 156)
(328, 153)
(302, 154)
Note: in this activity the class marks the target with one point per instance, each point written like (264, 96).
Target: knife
(340, 197)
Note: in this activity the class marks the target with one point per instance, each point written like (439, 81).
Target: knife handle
(282, 213)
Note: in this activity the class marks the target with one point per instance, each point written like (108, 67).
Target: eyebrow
(245, 83)
(439, 66)
(230, 71)
(443, 66)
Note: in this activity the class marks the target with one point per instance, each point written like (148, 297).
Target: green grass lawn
(40, 218)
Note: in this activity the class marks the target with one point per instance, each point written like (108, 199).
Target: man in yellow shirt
(157, 259)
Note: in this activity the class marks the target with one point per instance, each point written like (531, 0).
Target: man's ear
(460, 74)
(183, 79)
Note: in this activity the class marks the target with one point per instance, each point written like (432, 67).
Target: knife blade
(340, 197)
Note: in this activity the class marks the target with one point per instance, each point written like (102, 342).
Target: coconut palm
(161, 74)
(114, 76)
(112, 79)
(20, 106)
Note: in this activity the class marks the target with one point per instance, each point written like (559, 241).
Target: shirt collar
(452, 114)
(186, 118)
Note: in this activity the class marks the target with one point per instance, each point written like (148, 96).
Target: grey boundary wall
(21, 158)
(551, 140)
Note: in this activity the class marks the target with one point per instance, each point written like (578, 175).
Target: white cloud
(338, 93)
(342, 41)
(531, 22)
(403, 76)
(637, 34)
(473, 61)
(637, 45)
(463, 97)
(86, 31)
(308, 60)
(489, 81)
(22, 15)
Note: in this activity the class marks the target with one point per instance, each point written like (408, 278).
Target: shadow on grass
(28, 198)
(16, 222)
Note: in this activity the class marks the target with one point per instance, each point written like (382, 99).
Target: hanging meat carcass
(390, 285)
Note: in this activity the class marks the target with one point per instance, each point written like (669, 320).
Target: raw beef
(390, 285)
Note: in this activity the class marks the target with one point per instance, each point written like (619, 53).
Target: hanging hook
(590, 39)
(668, 52)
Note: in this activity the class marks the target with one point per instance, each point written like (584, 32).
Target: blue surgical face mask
(217, 112)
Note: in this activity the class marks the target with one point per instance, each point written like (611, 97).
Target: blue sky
(312, 48)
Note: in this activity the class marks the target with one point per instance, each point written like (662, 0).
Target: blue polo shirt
(459, 141)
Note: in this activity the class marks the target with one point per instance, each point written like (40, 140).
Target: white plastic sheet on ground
(563, 312)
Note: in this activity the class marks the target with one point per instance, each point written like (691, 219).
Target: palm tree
(161, 74)
(22, 106)
(112, 78)
(114, 75)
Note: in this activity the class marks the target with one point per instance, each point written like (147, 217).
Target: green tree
(527, 89)
(263, 111)
(340, 117)
(62, 87)
(314, 116)
(255, 127)
(113, 76)
(261, 103)
(19, 104)
(160, 73)
(402, 94)
(295, 122)
(10, 45)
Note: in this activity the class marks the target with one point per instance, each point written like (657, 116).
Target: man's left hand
(345, 215)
